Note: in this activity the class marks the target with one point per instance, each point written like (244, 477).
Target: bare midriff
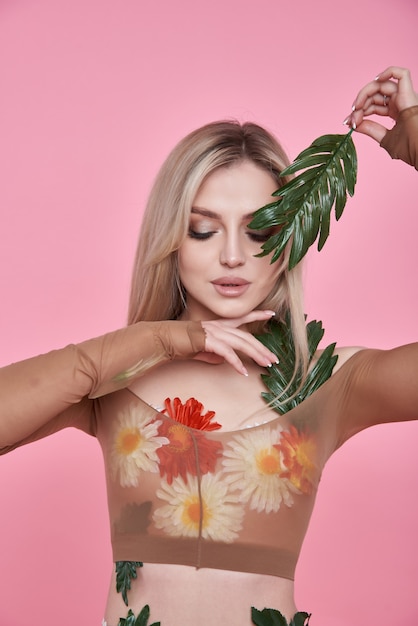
(180, 595)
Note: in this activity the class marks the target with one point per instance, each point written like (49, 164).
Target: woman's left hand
(387, 95)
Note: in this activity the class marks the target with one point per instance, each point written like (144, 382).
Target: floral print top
(179, 490)
(238, 500)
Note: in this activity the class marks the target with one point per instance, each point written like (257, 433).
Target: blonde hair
(156, 292)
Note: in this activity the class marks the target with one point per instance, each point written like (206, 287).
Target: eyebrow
(215, 216)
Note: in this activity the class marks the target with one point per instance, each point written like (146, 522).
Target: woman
(207, 486)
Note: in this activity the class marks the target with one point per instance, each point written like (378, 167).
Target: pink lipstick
(230, 286)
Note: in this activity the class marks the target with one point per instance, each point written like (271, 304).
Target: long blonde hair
(156, 292)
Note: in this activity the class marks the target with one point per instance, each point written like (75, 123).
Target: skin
(181, 595)
(225, 203)
(387, 95)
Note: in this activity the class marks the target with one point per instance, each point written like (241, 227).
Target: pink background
(94, 95)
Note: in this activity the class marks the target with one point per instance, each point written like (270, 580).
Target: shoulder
(344, 353)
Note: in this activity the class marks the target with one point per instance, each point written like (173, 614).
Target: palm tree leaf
(327, 174)
(283, 380)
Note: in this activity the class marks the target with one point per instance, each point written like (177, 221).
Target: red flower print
(190, 414)
(298, 450)
(188, 452)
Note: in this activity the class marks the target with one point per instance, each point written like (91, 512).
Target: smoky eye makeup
(195, 234)
(201, 227)
(260, 236)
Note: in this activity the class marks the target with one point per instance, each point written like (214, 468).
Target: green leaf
(125, 572)
(268, 617)
(141, 620)
(300, 619)
(143, 617)
(272, 617)
(327, 174)
(284, 385)
(129, 620)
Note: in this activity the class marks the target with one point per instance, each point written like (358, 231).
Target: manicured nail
(275, 362)
(353, 125)
(377, 77)
(353, 108)
(244, 371)
(346, 121)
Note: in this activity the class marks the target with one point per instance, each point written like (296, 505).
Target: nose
(232, 252)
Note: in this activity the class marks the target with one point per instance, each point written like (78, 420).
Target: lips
(230, 286)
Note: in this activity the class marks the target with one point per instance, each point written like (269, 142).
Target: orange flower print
(190, 414)
(187, 451)
(298, 450)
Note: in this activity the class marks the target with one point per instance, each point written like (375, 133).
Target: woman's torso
(178, 594)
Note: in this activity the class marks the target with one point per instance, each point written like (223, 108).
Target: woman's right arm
(43, 394)
(37, 391)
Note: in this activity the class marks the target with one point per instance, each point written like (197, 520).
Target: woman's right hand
(224, 338)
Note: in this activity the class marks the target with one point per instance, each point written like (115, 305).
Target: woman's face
(221, 275)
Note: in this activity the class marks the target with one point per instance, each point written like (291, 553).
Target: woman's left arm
(377, 387)
(391, 94)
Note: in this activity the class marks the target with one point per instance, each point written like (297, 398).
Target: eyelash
(202, 236)
(254, 236)
(259, 237)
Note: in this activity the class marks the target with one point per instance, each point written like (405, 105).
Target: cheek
(270, 274)
(270, 271)
(189, 263)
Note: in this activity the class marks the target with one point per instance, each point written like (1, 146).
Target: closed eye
(260, 236)
(194, 234)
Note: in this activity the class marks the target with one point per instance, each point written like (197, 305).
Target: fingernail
(377, 77)
(353, 125)
(346, 121)
(275, 362)
(244, 371)
(353, 108)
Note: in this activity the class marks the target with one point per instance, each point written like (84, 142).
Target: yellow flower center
(304, 453)
(268, 461)
(192, 511)
(129, 439)
(180, 438)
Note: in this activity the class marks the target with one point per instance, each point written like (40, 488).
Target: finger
(405, 89)
(372, 129)
(242, 341)
(209, 357)
(226, 341)
(253, 316)
(401, 74)
(375, 92)
(219, 352)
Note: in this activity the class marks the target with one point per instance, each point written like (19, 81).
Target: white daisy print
(134, 446)
(254, 466)
(218, 515)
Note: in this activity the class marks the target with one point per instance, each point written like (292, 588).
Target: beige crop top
(237, 500)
